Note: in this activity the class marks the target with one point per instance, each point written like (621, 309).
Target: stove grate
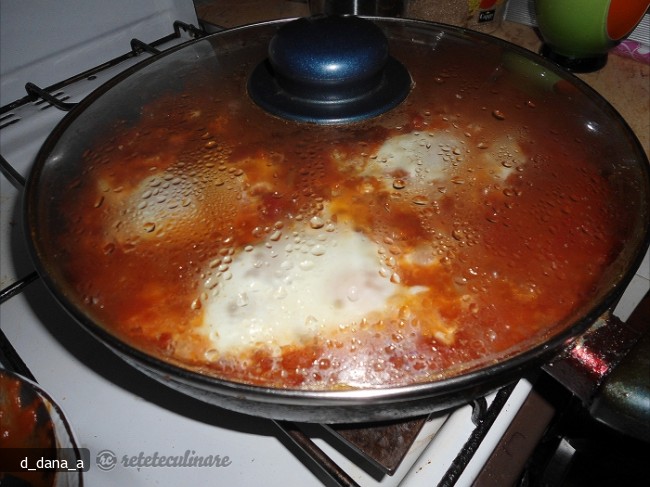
(137, 48)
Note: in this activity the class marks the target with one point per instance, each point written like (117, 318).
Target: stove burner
(384, 444)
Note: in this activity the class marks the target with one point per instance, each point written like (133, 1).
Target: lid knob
(329, 69)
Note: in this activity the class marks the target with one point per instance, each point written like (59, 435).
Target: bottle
(485, 15)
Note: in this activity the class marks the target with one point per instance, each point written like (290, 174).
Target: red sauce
(517, 257)
(25, 423)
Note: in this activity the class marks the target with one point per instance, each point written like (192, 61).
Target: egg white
(422, 159)
(294, 287)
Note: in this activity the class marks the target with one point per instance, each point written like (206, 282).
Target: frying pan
(269, 91)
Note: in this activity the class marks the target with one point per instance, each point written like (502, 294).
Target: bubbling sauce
(399, 250)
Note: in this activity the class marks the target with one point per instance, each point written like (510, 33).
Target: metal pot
(228, 111)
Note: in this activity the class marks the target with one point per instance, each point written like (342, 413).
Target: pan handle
(608, 369)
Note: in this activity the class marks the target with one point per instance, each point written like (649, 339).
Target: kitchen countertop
(624, 82)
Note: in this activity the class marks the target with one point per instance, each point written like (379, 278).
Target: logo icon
(106, 460)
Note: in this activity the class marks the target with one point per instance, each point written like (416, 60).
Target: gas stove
(130, 425)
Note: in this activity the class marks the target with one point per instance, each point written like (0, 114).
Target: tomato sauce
(509, 243)
(25, 424)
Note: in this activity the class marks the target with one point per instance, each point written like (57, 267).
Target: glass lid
(496, 207)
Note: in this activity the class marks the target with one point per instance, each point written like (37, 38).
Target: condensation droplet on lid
(498, 114)
(316, 222)
(306, 265)
(318, 250)
(399, 183)
(405, 313)
(395, 278)
(129, 247)
(92, 300)
(210, 283)
(242, 300)
(492, 217)
(211, 355)
(149, 227)
(457, 180)
(275, 236)
(196, 304)
(420, 200)
(280, 292)
(353, 294)
(395, 250)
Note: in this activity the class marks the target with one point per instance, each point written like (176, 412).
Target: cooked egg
(304, 284)
(424, 158)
